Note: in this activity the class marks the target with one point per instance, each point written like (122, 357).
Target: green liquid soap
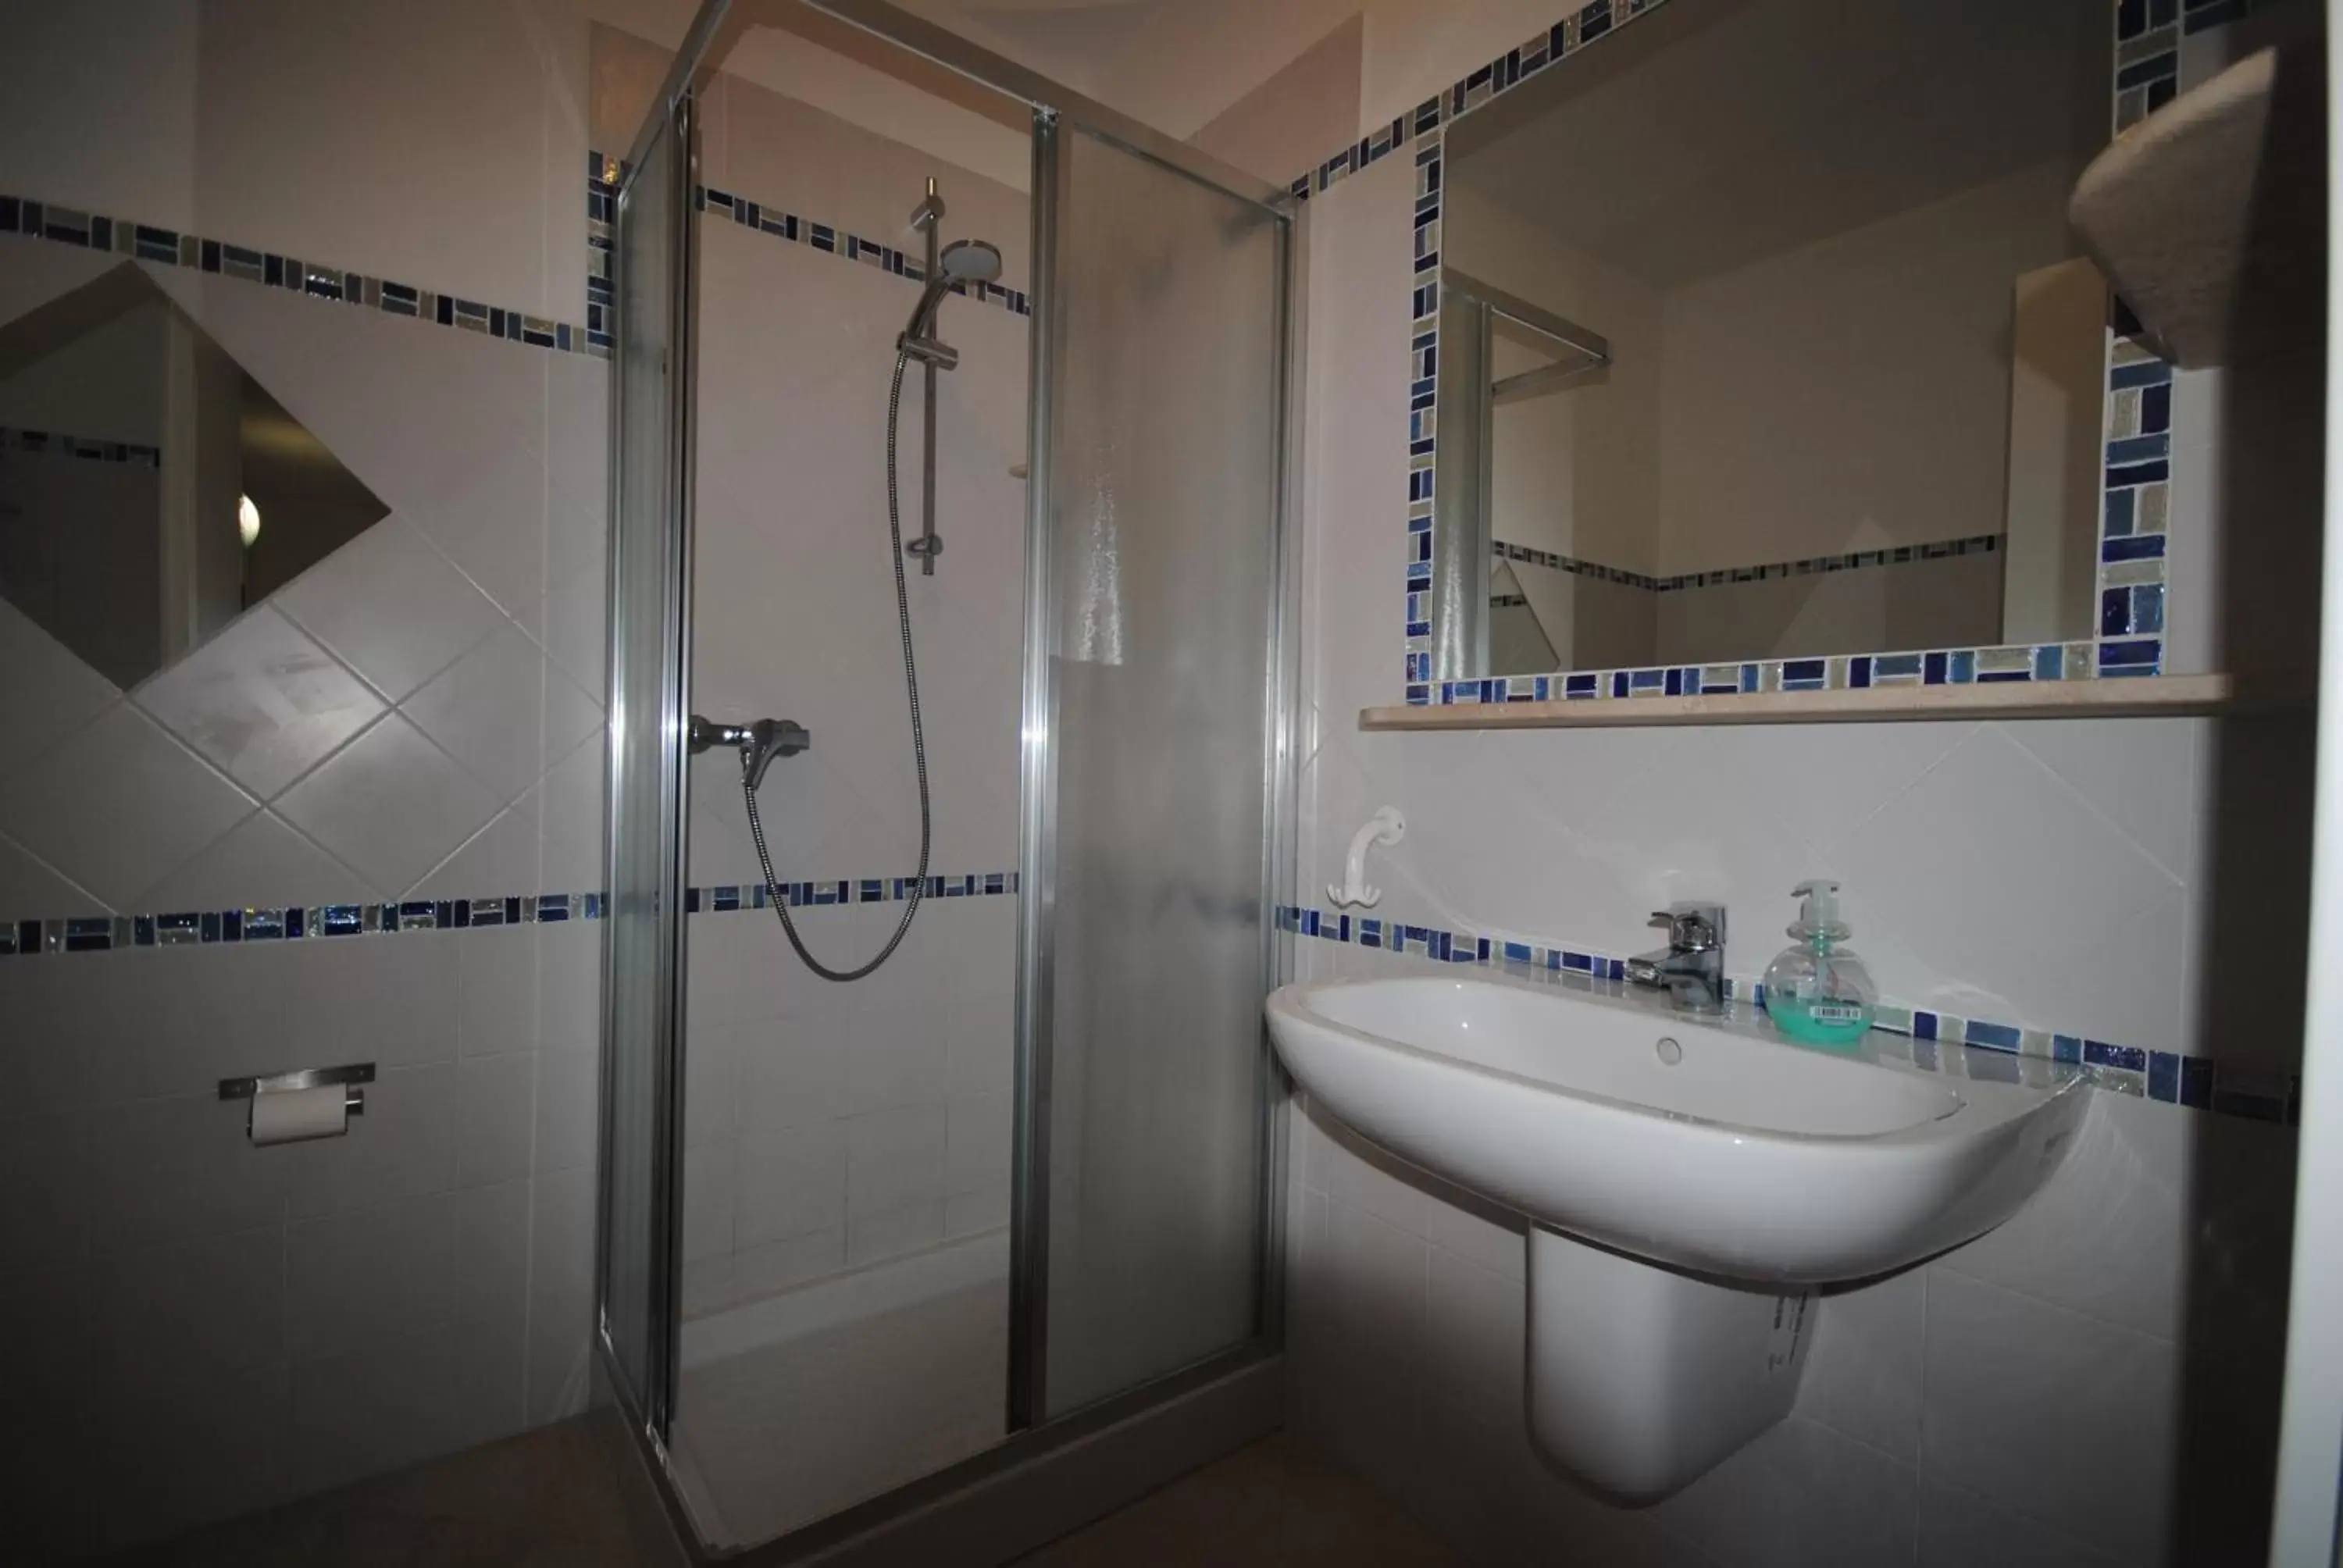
(1816, 991)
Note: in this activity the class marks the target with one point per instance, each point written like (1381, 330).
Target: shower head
(972, 261)
(963, 261)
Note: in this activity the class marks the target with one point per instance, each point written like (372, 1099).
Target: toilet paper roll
(290, 1115)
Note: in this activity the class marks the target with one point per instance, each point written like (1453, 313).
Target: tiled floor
(1276, 1504)
(546, 1499)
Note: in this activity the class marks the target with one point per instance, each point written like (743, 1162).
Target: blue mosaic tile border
(2195, 1081)
(1811, 565)
(169, 247)
(1932, 666)
(297, 923)
(725, 898)
(2136, 484)
(2147, 36)
(604, 175)
(82, 448)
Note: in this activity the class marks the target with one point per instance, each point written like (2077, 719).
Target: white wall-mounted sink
(1732, 1154)
(1741, 1168)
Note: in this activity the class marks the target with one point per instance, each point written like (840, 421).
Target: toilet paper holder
(352, 1075)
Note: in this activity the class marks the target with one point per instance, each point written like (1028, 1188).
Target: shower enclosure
(985, 1240)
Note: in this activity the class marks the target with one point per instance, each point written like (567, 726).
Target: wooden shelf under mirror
(2151, 696)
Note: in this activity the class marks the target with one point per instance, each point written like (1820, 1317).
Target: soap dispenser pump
(1816, 991)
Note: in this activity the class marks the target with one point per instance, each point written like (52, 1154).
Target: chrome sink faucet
(1691, 967)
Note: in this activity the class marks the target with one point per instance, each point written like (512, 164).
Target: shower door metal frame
(1037, 839)
(651, 1409)
(1028, 1279)
(1199, 1410)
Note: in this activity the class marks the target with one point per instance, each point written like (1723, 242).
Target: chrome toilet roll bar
(352, 1075)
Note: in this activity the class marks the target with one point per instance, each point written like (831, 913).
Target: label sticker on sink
(1789, 1322)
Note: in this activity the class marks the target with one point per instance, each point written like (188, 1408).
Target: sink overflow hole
(1670, 1051)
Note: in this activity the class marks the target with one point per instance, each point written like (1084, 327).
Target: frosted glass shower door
(1164, 345)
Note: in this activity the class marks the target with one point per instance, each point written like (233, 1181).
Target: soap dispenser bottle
(1817, 990)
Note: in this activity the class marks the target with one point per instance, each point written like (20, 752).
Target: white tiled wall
(834, 1126)
(439, 144)
(2093, 1384)
(830, 1127)
(192, 1326)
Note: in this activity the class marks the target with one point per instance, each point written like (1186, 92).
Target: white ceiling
(1714, 132)
(1172, 63)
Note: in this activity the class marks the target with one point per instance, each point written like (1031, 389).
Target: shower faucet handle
(759, 742)
(781, 737)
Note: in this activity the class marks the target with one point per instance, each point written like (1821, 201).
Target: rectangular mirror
(1761, 336)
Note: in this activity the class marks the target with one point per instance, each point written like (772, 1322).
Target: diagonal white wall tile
(2144, 778)
(30, 890)
(1559, 778)
(2131, 973)
(575, 625)
(482, 709)
(49, 692)
(262, 701)
(2016, 871)
(391, 804)
(489, 707)
(571, 715)
(262, 863)
(499, 860)
(37, 274)
(571, 807)
(495, 531)
(391, 606)
(117, 805)
(1822, 781)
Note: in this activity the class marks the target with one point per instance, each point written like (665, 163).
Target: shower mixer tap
(759, 743)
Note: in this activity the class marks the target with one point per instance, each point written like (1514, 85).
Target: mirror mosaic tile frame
(2138, 437)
